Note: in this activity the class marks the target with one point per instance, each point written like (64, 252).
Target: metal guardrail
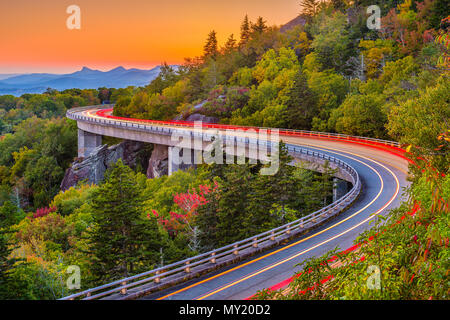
(344, 137)
(215, 258)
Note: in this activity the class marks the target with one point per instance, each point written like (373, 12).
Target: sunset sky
(130, 33)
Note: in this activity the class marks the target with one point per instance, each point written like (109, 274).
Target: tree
(310, 7)
(270, 191)
(423, 122)
(302, 104)
(245, 31)
(6, 267)
(259, 26)
(439, 11)
(331, 41)
(360, 115)
(210, 47)
(43, 176)
(9, 215)
(375, 54)
(167, 77)
(104, 94)
(230, 45)
(226, 209)
(122, 241)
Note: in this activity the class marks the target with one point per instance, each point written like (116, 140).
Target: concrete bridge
(377, 169)
(186, 145)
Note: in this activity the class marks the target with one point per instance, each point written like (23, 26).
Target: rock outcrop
(158, 165)
(299, 20)
(93, 167)
(203, 118)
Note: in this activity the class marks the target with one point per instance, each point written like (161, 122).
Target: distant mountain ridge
(86, 78)
(4, 76)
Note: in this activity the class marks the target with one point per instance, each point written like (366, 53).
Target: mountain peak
(86, 69)
(119, 68)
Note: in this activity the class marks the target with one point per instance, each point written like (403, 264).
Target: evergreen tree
(9, 215)
(313, 190)
(259, 26)
(6, 267)
(310, 7)
(220, 220)
(230, 45)
(233, 200)
(210, 47)
(207, 221)
(269, 191)
(301, 106)
(122, 241)
(245, 31)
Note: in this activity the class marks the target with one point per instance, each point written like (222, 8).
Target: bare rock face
(299, 20)
(203, 118)
(158, 165)
(93, 168)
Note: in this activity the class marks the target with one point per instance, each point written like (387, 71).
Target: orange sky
(131, 33)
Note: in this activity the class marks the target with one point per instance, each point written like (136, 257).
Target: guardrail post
(187, 269)
(255, 243)
(213, 257)
(288, 229)
(124, 290)
(272, 237)
(157, 279)
(236, 251)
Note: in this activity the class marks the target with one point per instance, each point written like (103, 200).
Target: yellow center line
(307, 238)
(300, 241)
(321, 243)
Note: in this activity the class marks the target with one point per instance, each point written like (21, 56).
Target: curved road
(383, 175)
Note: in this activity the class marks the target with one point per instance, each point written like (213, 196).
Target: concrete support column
(87, 142)
(340, 188)
(181, 159)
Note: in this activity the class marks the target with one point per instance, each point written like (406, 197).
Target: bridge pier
(87, 142)
(182, 158)
(340, 188)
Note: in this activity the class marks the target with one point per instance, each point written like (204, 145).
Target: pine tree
(260, 26)
(220, 220)
(245, 31)
(6, 267)
(122, 241)
(310, 7)
(230, 45)
(8, 215)
(210, 47)
(314, 190)
(301, 106)
(232, 208)
(207, 221)
(269, 191)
